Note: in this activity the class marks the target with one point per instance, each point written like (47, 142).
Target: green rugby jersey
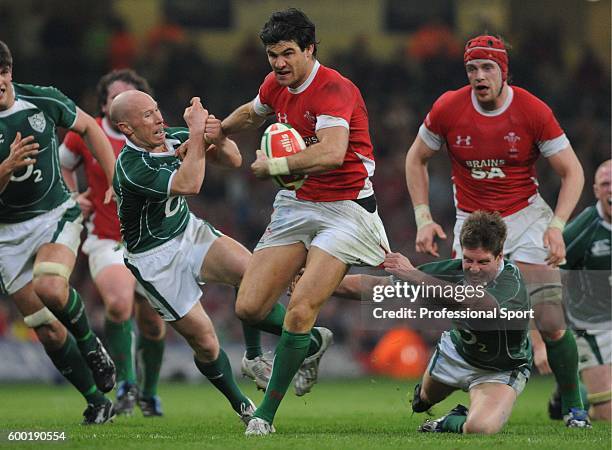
(502, 349)
(149, 215)
(38, 188)
(587, 242)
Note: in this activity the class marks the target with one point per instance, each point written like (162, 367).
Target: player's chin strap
(51, 268)
(278, 166)
(41, 317)
(600, 397)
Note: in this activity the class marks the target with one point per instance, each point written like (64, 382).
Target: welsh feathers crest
(38, 122)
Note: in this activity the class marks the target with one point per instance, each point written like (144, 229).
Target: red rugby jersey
(326, 99)
(493, 153)
(73, 152)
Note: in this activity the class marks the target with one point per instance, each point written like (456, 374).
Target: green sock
(453, 424)
(219, 373)
(563, 360)
(252, 341)
(150, 354)
(290, 353)
(315, 342)
(273, 322)
(119, 337)
(73, 317)
(72, 366)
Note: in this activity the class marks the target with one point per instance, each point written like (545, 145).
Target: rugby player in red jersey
(327, 225)
(494, 133)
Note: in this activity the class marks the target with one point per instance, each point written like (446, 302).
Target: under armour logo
(464, 141)
(282, 118)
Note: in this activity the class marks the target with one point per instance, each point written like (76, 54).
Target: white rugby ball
(279, 140)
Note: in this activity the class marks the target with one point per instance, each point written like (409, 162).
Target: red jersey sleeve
(71, 150)
(548, 134)
(263, 102)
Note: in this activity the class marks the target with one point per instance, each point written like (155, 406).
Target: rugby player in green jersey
(489, 360)
(170, 251)
(40, 227)
(588, 304)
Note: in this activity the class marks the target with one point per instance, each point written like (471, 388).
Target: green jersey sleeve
(574, 237)
(508, 288)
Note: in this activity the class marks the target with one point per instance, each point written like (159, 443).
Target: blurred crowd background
(402, 55)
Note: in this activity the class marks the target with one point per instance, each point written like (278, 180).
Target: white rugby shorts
(19, 242)
(447, 366)
(170, 273)
(525, 232)
(103, 253)
(342, 228)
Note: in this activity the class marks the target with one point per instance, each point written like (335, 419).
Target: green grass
(360, 414)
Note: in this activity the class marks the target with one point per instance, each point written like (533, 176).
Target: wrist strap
(278, 166)
(558, 223)
(422, 216)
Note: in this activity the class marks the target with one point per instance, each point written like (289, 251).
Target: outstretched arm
(566, 165)
(417, 180)
(243, 118)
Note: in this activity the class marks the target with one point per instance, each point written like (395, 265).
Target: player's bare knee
(552, 335)
(249, 313)
(51, 335)
(118, 308)
(299, 317)
(52, 290)
(481, 426)
(602, 411)
(154, 331)
(205, 346)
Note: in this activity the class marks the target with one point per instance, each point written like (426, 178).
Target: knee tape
(51, 268)
(599, 398)
(41, 317)
(549, 293)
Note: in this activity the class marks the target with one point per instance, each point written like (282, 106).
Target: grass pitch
(356, 414)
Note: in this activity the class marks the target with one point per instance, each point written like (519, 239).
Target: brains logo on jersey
(281, 140)
(38, 122)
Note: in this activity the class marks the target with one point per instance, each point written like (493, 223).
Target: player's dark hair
(6, 59)
(125, 75)
(484, 230)
(289, 25)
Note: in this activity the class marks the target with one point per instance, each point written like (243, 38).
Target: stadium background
(401, 54)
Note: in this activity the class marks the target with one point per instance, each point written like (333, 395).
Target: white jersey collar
(604, 223)
(110, 131)
(302, 87)
(495, 112)
(169, 148)
(19, 105)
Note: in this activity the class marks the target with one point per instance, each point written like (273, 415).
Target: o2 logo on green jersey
(27, 174)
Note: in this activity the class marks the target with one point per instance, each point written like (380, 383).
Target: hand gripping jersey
(493, 153)
(73, 152)
(326, 99)
(38, 188)
(502, 349)
(587, 241)
(148, 213)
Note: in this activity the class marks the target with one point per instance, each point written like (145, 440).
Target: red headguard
(487, 47)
